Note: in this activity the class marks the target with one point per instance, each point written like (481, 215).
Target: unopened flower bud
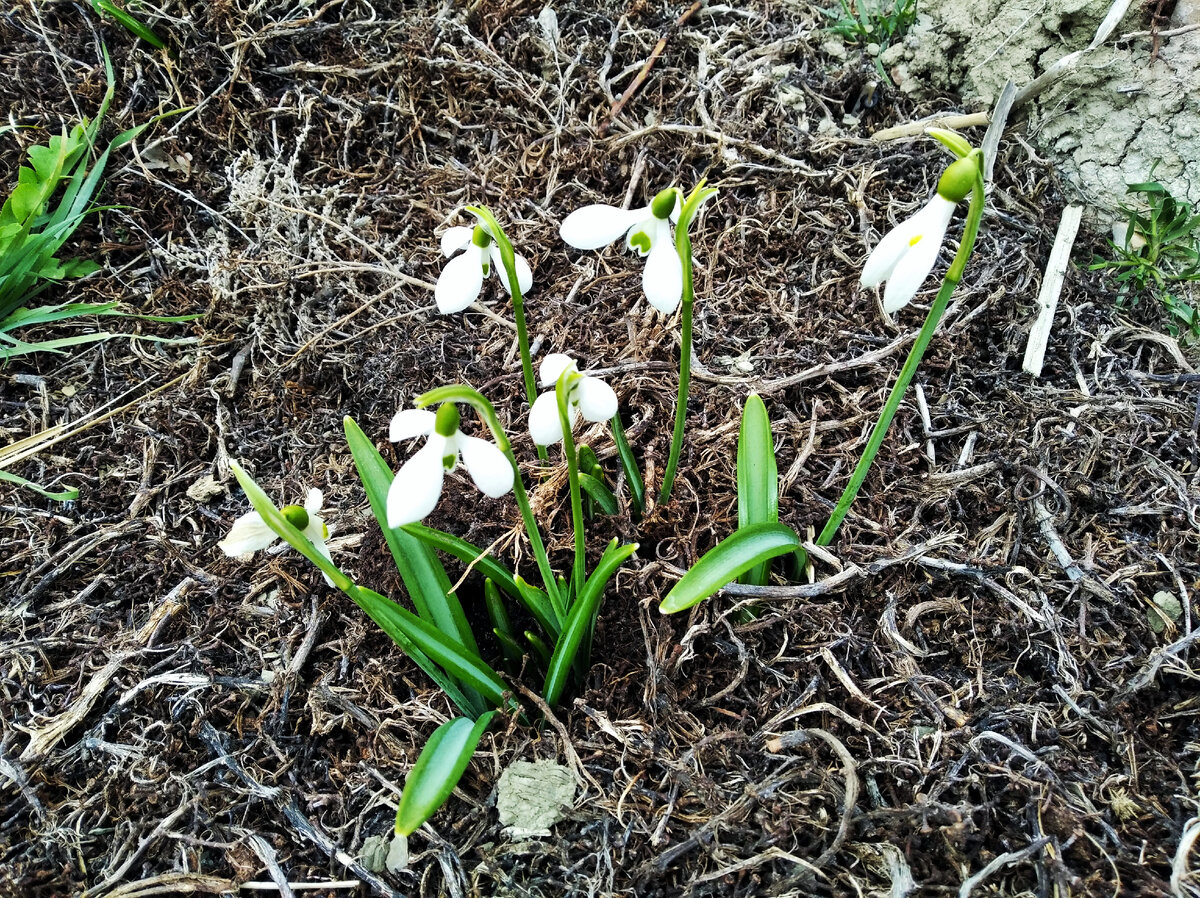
(958, 180)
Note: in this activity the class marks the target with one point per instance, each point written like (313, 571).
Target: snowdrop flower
(587, 395)
(250, 532)
(418, 485)
(905, 256)
(462, 278)
(647, 232)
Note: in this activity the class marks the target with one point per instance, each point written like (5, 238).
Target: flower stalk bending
(962, 178)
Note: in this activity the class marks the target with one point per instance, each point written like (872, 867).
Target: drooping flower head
(462, 278)
(417, 486)
(906, 254)
(587, 395)
(250, 532)
(647, 232)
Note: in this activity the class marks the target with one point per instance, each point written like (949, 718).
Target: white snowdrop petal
(249, 533)
(544, 424)
(553, 366)
(411, 422)
(596, 399)
(662, 278)
(417, 486)
(313, 501)
(455, 239)
(914, 266)
(487, 465)
(524, 275)
(460, 282)
(598, 225)
(315, 531)
(888, 252)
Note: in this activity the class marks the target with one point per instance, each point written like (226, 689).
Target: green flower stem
(974, 214)
(487, 412)
(508, 259)
(562, 393)
(683, 245)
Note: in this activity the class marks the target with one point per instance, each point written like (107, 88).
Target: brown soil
(949, 699)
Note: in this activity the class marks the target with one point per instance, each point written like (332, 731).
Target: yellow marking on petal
(915, 240)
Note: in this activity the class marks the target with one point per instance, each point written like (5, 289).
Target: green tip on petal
(664, 203)
(446, 422)
(480, 237)
(958, 180)
(296, 515)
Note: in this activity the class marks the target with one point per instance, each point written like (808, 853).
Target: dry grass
(969, 697)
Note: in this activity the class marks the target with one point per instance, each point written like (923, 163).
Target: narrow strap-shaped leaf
(633, 476)
(440, 766)
(501, 625)
(728, 560)
(64, 496)
(599, 493)
(466, 552)
(382, 611)
(541, 651)
(468, 669)
(757, 478)
(423, 575)
(513, 653)
(132, 25)
(538, 604)
(581, 619)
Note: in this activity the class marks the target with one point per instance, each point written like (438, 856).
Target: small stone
(531, 796)
(834, 49)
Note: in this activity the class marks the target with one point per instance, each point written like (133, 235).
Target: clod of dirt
(1128, 104)
(531, 796)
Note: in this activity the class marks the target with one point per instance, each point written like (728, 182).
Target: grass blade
(64, 496)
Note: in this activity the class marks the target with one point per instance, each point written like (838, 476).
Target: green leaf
(424, 577)
(541, 651)
(633, 476)
(468, 669)
(538, 604)
(466, 552)
(132, 25)
(440, 766)
(530, 596)
(501, 625)
(581, 620)
(600, 493)
(64, 496)
(757, 478)
(383, 611)
(728, 560)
